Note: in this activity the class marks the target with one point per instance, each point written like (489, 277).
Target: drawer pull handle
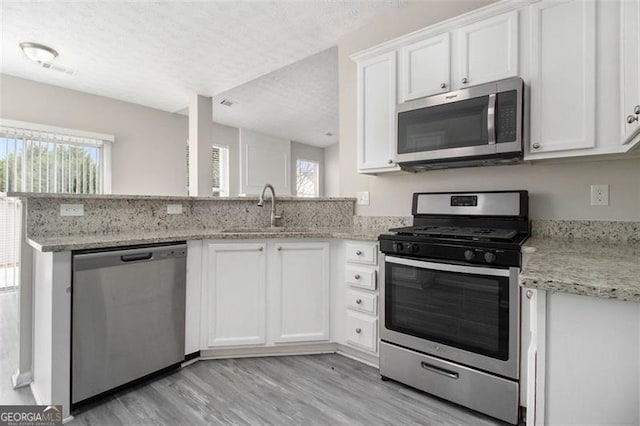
(358, 301)
(438, 370)
(358, 330)
(356, 276)
(358, 253)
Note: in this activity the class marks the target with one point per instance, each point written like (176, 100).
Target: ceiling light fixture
(38, 52)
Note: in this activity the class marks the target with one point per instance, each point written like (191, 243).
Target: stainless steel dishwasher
(128, 314)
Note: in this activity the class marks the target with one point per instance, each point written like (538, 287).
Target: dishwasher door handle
(136, 257)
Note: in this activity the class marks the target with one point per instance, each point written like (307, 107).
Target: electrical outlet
(174, 208)
(599, 195)
(363, 198)
(71, 209)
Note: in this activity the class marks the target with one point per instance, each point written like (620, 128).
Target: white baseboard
(371, 360)
(20, 380)
(240, 352)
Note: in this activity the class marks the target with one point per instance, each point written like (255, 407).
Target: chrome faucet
(274, 217)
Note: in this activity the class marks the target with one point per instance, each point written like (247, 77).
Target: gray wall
(306, 152)
(559, 190)
(148, 155)
(332, 171)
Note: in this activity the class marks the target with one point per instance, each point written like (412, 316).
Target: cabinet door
(488, 50)
(424, 68)
(563, 75)
(630, 19)
(235, 276)
(300, 306)
(377, 114)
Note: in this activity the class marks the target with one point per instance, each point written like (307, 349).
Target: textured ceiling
(157, 53)
(298, 102)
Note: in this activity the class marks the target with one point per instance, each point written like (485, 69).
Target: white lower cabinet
(234, 278)
(362, 330)
(300, 289)
(358, 315)
(263, 293)
(583, 360)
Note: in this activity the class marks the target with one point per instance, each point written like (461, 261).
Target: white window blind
(220, 167)
(44, 159)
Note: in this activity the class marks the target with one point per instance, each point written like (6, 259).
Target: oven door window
(466, 311)
(454, 125)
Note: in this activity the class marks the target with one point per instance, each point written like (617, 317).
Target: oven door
(465, 314)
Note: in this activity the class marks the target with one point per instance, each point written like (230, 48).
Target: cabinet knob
(529, 294)
(358, 253)
(443, 85)
(389, 161)
(279, 248)
(632, 118)
(465, 80)
(358, 330)
(358, 301)
(260, 249)
(636, 110)
(356, 276)
(536, 145)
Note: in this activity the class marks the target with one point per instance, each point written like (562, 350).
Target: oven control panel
(459, 253)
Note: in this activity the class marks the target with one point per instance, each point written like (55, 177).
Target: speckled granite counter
(606, 269)
(81, 242)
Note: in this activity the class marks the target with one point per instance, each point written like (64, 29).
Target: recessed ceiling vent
(226, 102)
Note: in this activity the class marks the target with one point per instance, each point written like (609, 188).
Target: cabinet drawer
(362, 331)
(362, 253)
(360, 277)
(364, 302)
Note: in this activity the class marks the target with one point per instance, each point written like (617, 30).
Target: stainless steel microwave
(481, 125)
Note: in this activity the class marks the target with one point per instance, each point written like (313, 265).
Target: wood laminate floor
(290, 390)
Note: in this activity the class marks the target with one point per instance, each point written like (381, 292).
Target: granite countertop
(604, 269)
(80, 242)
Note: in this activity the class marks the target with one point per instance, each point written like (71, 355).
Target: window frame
(224, 180)
(105, 145)
(317, 177)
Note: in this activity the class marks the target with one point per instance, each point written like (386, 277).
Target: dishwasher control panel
(173, 253)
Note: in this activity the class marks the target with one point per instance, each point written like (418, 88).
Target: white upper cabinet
(377, 113)
(425, 68)
(630, 75)
(300, 306)
(487, 50)
(563, 75)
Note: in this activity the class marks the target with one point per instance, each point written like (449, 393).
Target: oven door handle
(447, 267)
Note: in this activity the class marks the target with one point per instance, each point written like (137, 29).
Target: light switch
(71, 209)
(174, 208)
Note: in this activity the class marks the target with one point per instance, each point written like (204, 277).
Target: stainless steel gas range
(450, 311)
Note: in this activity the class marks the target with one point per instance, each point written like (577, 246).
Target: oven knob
(469, 254)
(490, 257)
(412, 248)
(398, 247)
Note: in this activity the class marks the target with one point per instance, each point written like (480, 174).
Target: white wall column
(200, 142)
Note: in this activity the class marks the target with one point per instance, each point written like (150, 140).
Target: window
(35, 158)
(307, 178)
(220, 167)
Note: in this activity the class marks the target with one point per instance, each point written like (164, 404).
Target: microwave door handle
(491, 119)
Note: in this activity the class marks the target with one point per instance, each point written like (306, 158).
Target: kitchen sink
(262, 230)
